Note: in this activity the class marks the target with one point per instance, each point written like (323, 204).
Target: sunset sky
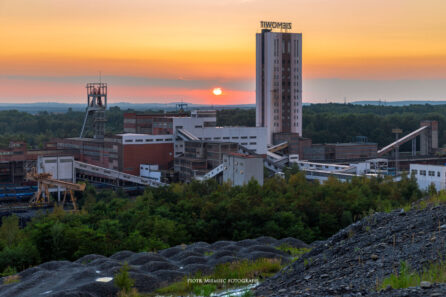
(172, 50)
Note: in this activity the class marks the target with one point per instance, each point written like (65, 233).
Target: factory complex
(157, 149)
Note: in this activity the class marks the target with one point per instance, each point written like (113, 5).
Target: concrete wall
(239, 170)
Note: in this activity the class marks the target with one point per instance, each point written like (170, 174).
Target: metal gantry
(44, 182)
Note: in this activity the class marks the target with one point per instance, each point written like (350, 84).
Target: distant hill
(398, 103)
(63, 107)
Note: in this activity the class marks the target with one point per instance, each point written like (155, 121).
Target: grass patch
(434, 273)
(10, 276)
(407, 207)
(11, 279)
(433, 200)
(204, 290)
(8, 271)
(223, 277)
(132, 293)
(296, 253)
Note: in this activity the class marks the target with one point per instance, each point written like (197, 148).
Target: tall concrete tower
(278, 80)
(96, 106)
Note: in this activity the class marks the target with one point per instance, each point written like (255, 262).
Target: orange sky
(50, 48)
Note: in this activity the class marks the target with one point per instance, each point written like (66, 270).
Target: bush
(123, 280)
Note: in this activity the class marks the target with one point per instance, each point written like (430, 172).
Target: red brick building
(123, 152)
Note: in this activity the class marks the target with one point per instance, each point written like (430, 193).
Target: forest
(323, 123)
(183, 213)
(333, 122)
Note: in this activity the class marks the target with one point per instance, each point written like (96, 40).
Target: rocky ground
(356, 259)
(149, 270)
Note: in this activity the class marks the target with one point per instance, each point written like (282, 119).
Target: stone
(425, 284)
(324, 275)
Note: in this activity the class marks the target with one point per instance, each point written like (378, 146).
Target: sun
(217, 91)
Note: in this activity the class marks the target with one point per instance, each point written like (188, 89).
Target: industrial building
(427, 175)
(279, 82)
(200, 157)
(17, 159)
(123, 152)
(239, 169)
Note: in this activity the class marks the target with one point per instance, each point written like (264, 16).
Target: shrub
(123, 280)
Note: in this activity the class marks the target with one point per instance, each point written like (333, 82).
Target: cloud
(137, 81)
(334, 90)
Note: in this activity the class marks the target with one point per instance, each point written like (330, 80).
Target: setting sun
(217, 91)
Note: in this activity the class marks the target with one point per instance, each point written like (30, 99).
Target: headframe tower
(96, 106)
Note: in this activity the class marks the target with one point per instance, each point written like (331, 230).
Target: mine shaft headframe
(97, 96)
(96, 106)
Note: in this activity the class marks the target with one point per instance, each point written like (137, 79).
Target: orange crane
(45, 181)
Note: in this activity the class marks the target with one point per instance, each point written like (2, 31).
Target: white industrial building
(322, 171)
(239, 169)
(150, 171)
(279, 82)
(429, 174)
(202, 126)
(60, 167)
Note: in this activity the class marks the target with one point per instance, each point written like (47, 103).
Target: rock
(358, 257)
(425, 284)
(324, 275)
(92, 275)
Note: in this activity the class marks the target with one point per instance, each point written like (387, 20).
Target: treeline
(331, 123)
(182, 213)
(236, 117)
(38, 129)
(323, 123)
(341, 123)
